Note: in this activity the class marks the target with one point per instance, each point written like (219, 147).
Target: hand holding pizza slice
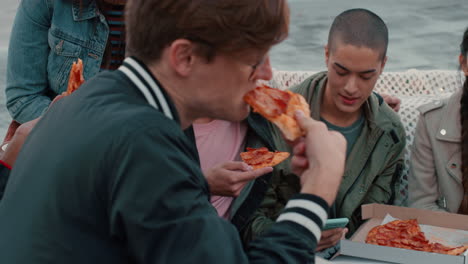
(261, 157)
(279, 107)
(75, 80)
(14, 141)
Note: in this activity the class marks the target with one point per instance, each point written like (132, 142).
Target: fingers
(307, 123)
(292, 143)
(299, 161)
(392, 101)
(396, 106)
(250, 175)
(236, 166)
(299, 164)
(331, 237)
(239, 179)
(229, 178)
(327, 234)
(299, 148)
(345, 231)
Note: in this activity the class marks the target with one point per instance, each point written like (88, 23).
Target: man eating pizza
(120, 182)
(342, 97)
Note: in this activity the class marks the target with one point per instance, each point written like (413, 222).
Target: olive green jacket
(373, 168)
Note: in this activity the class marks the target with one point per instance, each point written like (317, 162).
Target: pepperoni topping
(407, 234)
(268, 101)
(257, 156)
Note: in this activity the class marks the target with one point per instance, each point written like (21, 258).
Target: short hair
(228, 26)
(359, 27)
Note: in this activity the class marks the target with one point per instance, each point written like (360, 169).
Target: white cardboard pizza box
(319, 260)
(375, 213)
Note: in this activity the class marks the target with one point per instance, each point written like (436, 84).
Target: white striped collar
(147, 84)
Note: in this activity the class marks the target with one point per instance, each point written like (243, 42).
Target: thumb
(305, 123)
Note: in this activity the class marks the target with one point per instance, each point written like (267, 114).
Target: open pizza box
(375, 213)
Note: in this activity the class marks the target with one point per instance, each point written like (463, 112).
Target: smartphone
(336, 223)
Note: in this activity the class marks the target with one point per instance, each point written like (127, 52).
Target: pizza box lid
(375, 213)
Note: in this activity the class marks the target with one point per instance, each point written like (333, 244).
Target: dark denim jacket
(47, 36)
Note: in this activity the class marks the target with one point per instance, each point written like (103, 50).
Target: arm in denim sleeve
(28, 53)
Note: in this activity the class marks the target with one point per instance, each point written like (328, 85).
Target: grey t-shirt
(351, 133)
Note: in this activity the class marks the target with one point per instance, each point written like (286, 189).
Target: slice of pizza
(262, 157)
(76, 78)
(408, 235)
(394, 233)
(279, 107)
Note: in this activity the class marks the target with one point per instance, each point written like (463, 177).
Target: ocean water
(424, 34)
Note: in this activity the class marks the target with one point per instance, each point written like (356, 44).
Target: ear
(327, 53)
(463, 64)
(182, 56)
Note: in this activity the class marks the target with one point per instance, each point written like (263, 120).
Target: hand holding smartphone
(336, 223)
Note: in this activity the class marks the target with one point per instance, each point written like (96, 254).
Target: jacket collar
(449, 130)
(149, 86)
(84, 9)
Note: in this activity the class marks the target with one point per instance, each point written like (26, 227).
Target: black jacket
(107, 176)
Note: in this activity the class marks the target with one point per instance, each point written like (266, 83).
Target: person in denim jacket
(47, 37)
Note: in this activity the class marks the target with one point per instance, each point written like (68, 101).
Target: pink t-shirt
(217, 142)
